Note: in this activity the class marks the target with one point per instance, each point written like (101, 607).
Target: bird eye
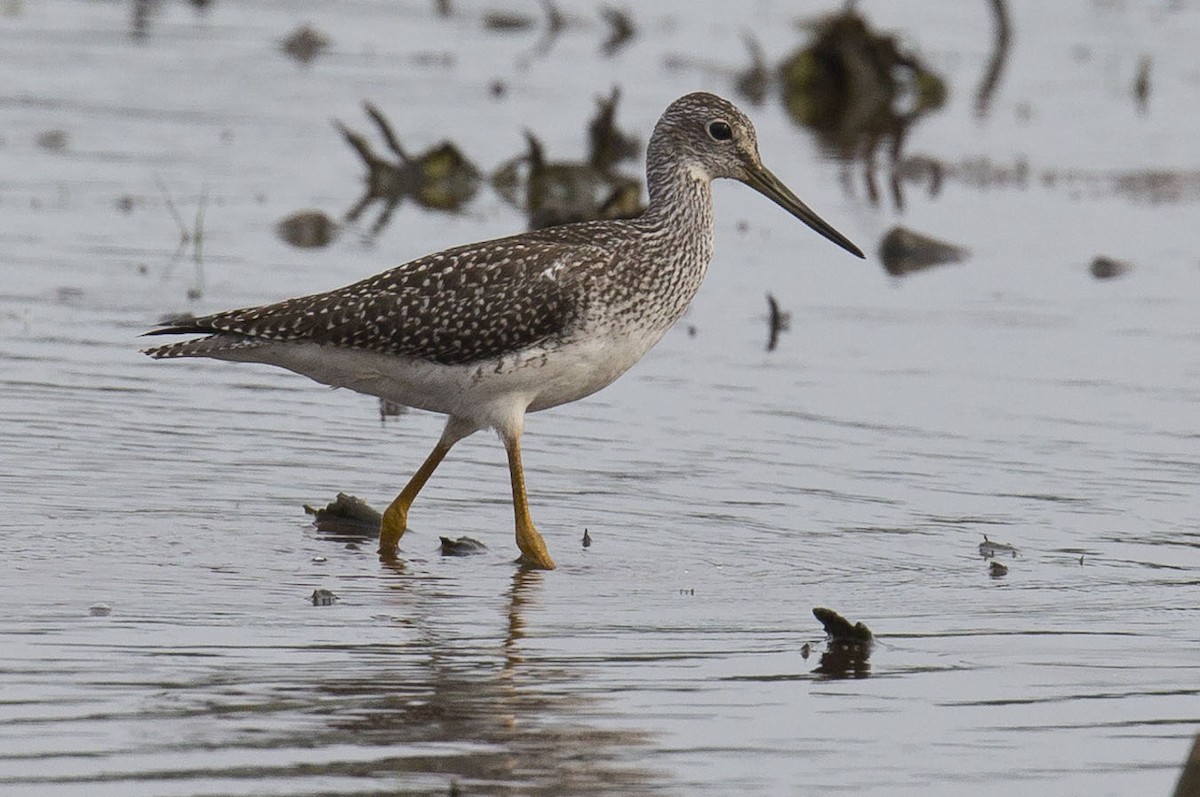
(720, 131)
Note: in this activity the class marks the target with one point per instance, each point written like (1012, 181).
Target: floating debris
(753, 81)
(347, 514)
(918, 169)
(507, 21)
(1106, 268)
(587, 539)
(307, 229)
(840, 629)
(858, 91)
(608, 145)
(561, 192)
(625, 201)
(319, 560)
(509, 181)
(52, 140)
(981, 173)
(323, 597)
(1155, 186)
(558, 193)
(439, 179)
(304, 44)
(849, 646)
(99, 610)
(904, 251)
(989, 548)
(997, 570)
(1144, 185)
(139, 22)
(852, 80)
(621, 30)
(1141, 84)
(555, 21)
(463, 546)
(779, 320)
(564, 192)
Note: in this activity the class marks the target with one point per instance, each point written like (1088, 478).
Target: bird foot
(534, 554)
(391, 529)
(530, 563)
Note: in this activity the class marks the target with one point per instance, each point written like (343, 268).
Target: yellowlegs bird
(486, 332)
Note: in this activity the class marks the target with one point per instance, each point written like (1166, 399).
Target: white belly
(486, 394)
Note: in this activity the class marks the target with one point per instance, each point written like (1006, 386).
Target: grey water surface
(158, 636)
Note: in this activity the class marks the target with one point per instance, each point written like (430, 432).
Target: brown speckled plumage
(466, 304)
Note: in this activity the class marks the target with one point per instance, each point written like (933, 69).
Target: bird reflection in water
(450, 703)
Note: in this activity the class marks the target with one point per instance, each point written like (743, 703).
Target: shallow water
(728, 491)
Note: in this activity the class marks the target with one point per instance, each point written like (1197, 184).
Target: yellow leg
(395, 517)
(533, 547)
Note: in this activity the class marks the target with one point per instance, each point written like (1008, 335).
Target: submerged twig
(193, 236)
(621, 30)
(1001, 42)
(779, 320)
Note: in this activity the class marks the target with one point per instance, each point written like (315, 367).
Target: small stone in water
(1106, 268)
(99, 610)
(307, 229)
(849, 647)
(346, 514)
(52, 140)
(463, 546)
(323, 597)
(304, 44)
(904, 251)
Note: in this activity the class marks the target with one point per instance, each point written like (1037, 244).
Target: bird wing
(458, 306)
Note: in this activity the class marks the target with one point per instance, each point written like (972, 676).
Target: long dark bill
(767, 184)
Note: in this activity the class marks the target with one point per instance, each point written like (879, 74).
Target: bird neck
(681, 204)
(674, 239)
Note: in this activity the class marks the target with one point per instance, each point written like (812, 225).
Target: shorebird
(487, 332)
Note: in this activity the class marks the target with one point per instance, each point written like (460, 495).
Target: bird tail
(222, 346)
